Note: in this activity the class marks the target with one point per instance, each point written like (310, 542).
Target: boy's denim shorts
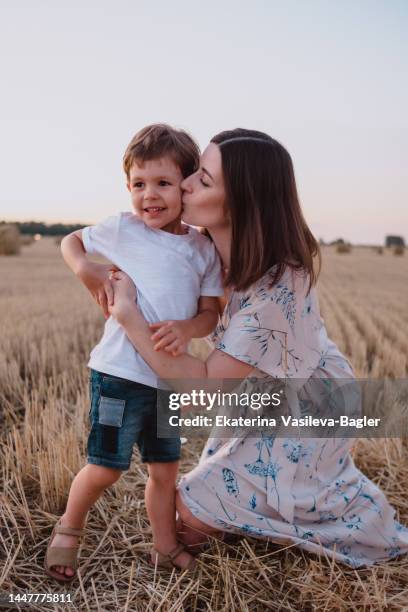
(123, 412)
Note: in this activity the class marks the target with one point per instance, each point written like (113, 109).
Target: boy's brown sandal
(59, 555)
(160, 560)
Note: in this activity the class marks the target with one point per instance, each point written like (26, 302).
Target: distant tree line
(37, 227)
(390, 241)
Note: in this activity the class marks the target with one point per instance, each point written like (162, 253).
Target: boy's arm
(73, 251)
(174, 335)
(94, 276)
(206, 318)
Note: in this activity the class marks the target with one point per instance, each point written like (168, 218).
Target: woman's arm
(173, 336)
(219, 365)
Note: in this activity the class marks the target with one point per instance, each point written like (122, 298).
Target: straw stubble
(49, 323)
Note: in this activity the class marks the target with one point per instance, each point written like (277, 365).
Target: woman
(302, 491)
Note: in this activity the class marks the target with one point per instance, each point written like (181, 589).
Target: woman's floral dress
(297, 490)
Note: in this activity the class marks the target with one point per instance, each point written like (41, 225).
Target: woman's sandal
(58, 555)
(200, 547)
(160, 560)
(208, 543)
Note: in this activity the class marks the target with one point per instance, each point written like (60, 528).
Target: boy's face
(154, 186)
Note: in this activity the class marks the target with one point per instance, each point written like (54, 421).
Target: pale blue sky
(326, 78)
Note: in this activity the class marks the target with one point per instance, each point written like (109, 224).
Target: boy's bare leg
(160, 497)
(86, 488)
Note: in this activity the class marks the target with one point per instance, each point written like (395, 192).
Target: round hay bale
(398, 250)
(343, 248)
(10, 240)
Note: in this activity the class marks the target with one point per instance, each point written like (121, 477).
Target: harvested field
(48, 324)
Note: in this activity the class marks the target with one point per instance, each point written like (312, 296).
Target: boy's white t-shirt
(170, 272)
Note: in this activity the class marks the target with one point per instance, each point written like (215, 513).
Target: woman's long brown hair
(268, 227)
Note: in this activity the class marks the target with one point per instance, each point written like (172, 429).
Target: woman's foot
(181, 558)
(64, 541)
(196, 540)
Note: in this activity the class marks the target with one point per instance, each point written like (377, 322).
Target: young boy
(177, 274)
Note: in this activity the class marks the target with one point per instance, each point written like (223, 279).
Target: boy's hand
(173, 336)
(96, 279)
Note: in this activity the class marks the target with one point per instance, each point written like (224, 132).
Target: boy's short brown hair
(158, 140)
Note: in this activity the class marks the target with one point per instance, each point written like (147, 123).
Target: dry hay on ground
(48, 325)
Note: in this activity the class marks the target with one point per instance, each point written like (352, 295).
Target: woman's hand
(172, 336)
(95, 277)
(124, 296)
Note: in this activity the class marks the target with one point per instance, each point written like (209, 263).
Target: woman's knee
(183, 512)
(189, 519)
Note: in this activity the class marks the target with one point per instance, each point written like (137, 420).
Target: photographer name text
(259, 421)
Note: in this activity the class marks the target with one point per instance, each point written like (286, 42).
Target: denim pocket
(111, 411)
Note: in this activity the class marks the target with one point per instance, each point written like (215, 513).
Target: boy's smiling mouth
(153, 209)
